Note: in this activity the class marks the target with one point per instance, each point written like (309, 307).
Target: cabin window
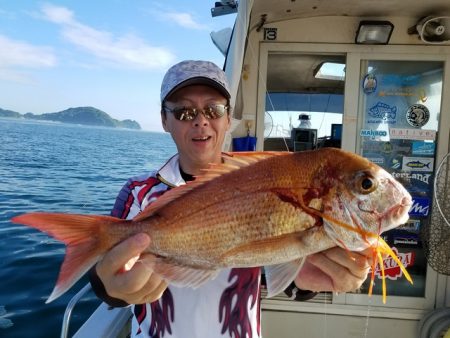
(308, 88)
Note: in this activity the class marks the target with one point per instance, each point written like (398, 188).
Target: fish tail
(81, 234)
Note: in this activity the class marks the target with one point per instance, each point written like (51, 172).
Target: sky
(108, 54)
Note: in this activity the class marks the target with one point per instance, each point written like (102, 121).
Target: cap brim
(200, 81)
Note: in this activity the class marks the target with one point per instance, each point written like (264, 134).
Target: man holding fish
(195, 111)
(188, 252)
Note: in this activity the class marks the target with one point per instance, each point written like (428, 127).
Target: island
(89, 116)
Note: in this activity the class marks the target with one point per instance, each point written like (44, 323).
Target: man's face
(199, 141)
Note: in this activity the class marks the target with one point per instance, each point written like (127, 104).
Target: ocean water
(62, 168)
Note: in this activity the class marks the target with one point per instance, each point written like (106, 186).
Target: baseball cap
(194, 72)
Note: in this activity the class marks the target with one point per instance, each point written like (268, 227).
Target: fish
(269, 209)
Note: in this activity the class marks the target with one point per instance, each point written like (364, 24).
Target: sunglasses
(188, 114)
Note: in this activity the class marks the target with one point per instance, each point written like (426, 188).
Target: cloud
(185, 20)
(23, 54)
(126, 50)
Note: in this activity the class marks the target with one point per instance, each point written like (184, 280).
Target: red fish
(255, 209)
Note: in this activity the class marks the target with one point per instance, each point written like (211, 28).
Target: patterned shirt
(227, 306)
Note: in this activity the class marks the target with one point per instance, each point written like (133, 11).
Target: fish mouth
(399, 214)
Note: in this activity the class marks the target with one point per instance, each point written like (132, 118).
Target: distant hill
(89, 116)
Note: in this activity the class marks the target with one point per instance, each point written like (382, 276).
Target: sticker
(409, 239)
(369, 84)
(415, 183)
(372, 133)
(391, 268)
(418, 164)
(412, 225)
(382, 113)
(420, 207)
(376, 160)
(422, 148)
(395, 163)
(412, 134)
(399, 147)
(400, 80)
(270, 34)
(417, 115)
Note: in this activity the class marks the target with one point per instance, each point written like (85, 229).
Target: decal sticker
(412, 134)
(420, 207)
(417, 115)
(399, 147)
(369, 84)
(391, 268)
(382, 113)
(409, 239)
(270, 33)
(372, 133)
(400, 80)
(412, 225)
(416, 183)
(376, 160)
(418, 164)
(395, 163)
(422, 148)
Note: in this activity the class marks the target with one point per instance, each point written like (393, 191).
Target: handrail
(69, 308)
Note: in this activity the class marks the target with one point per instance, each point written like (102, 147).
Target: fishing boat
(372, 77)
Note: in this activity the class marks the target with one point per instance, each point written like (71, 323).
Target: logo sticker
(376, 160)
(412, 225)
(382, 112)
(395, 163)
(369, 84)
(411, 239)
(417, 115)
(418, 164)
(372, 133)
(415, 183)
(420, 207)
(412, 134)
(422, 148)
(391, 268)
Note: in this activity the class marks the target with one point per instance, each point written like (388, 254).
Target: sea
(58, 167)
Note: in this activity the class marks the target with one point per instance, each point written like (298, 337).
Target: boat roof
(292, 9)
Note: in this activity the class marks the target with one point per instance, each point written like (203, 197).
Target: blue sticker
(420, 207)
(369, 84)
(382, 112)
(417, 183)
(422, 148)
(400, 80)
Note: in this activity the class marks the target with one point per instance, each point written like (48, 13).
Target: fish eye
(366, 184)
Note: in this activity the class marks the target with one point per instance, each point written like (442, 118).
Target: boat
(372, 77)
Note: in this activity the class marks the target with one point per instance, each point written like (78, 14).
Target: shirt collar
(170, 172)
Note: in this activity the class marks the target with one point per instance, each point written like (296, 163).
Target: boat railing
(105, 322)
(69, 308)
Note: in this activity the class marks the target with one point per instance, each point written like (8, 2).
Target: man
(195, 111)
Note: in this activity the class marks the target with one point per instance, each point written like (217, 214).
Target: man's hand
(128, 278)
(334, 270)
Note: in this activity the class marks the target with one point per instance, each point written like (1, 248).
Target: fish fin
(81, 235)
(181, 275)
(232, 162)
(279, 276)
